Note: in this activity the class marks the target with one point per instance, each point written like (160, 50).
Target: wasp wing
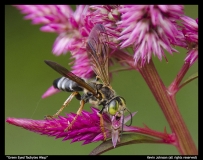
(68, 74)
(98, 49)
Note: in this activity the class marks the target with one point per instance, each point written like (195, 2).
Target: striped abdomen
(66, 84)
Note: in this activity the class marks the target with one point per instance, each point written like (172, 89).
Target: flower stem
(166, 100)
(185, 144)
(166, 138)
(174, 87)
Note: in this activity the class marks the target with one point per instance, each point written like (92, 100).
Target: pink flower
(55, 17)
(107, 15)
(69, 25)
(69, 37)
(86, 128)
(149, 29)
(72, 27)
(190, 31)
(50, 91)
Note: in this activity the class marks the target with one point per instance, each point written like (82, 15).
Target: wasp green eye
(113, 107)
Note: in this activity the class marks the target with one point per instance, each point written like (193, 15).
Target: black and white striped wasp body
(66, 84)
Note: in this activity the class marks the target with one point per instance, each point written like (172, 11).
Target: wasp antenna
(131, 118)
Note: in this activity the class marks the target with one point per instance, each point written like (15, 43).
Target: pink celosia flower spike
(50, 91)
(149, 29)
(55, 17)
(73, 29)
(190, 31)
(86, 128)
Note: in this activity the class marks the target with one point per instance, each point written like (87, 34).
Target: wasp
(98, 92)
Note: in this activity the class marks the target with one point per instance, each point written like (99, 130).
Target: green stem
(168, 104)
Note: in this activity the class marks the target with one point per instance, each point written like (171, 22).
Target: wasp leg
(102, 125)
(82, 103)
(74, 94)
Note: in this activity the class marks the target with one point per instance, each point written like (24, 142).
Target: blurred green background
(27, 77)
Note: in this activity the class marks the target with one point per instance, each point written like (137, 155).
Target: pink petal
(50, 91)
(115, 135)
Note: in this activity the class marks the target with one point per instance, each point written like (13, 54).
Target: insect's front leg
(102, 122)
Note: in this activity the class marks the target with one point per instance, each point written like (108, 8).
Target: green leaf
(126, 139)
(189, 79)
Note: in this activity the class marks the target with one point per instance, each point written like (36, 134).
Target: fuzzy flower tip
(55, 18)
(72, 27)
(149, 29)
(86, 128)
(50, 91)
(190, 31)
